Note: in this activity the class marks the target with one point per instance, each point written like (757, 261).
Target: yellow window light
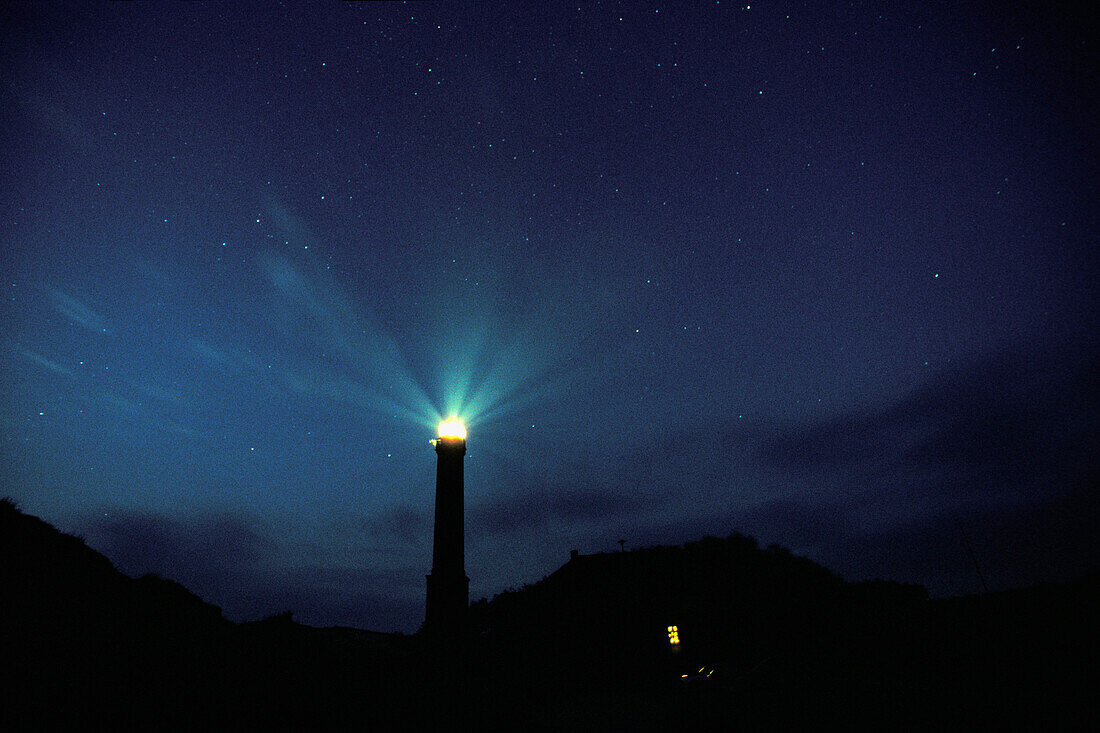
(673, 635)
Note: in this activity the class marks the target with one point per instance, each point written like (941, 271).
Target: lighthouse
(448, 587)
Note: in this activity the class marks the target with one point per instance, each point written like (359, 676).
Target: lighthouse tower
(448, 586)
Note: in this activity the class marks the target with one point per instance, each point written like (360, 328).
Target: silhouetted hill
(82, 642)
(768, 640)
(785, 642)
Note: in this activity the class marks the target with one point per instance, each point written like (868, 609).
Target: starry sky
(819, 273)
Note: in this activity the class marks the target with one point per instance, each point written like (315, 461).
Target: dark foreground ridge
(767, 640)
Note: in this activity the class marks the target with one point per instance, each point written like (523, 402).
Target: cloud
(231, 563)
(401, 524)
(363, 364)
(148, 543)
(1040, 540)
(215, 556)
(389, 530)
(136, 412)
(78, 312)
(998, 424)
(1001, 447)
(45, 363)
(515, 512)
(378, 599)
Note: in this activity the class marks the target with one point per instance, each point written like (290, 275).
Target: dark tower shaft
(448, 586)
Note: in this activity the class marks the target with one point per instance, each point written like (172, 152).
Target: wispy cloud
(211, 354)
(317, 313)
(136, 411)
(79, 312)
(45, 363)
(163, 394)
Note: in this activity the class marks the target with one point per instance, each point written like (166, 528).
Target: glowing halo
(452, 427)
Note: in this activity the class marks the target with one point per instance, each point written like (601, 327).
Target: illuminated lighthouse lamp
(452, 428)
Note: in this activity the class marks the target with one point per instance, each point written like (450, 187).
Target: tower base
(447, 603)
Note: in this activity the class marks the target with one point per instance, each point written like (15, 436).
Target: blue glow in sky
(820, 275)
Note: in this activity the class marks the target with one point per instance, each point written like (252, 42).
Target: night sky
(819, 273)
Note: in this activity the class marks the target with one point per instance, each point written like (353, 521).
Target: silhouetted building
(448, 586)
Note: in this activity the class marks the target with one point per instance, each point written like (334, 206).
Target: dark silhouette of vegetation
(82, 642)
(767, 640)
(786, 643)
